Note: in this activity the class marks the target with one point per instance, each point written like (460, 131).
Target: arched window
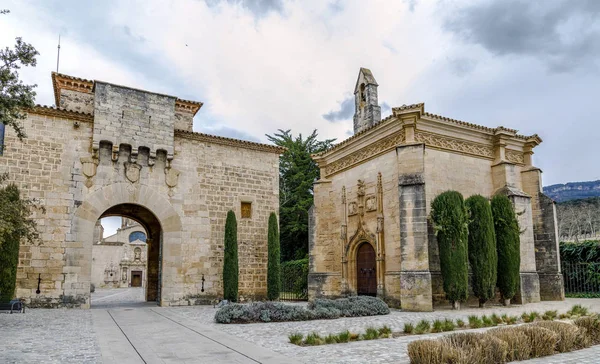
(137, 235)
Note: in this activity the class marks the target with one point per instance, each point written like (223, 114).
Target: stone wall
(187, 197)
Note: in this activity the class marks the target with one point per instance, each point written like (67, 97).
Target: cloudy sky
(263, 65)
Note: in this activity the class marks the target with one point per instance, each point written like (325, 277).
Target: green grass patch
(422, 327)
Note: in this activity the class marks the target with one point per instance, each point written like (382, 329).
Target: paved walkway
(120, 328)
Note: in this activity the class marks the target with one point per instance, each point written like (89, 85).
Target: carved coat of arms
(171, 177)
(132, 172)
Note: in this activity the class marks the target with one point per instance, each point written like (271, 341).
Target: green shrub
(313, 339)
(448, 325)
(496, 319)
(370, 334)
(529, 316)
(422, 327)
(460, 323)
(385, 331)
(408, 328)
(519, 344)
(352, 306)
(550, 315)
(230, 259)
(578, 310)
(343, 337)
(273, 268)
(507, 244)
(437, 326)
(580, 252)
(450, 221)
(320, 309)
(543, 341)
(296, 272)
(296, 338)
(483, 256)
(487, 321)
(330, 339)
(16, 224)
(475, 322)
(568, 335)
(432, 352)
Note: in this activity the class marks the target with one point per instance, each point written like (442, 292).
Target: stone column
(545, 231)
(415, 277)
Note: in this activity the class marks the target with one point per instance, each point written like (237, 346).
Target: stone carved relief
(456, 145)
(89, 166)
(365, 153)
(352, 209)
(132, 172)
(171, 177)
(371, 203)
(515, 156)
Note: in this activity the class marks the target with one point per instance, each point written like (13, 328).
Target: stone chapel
(369, 232)
(111, 150)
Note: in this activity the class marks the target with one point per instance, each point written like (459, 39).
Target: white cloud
(261, 66)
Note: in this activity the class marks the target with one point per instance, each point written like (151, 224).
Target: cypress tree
(508, 245)
(230, 259)
(450, 222)
(273, 268)
(482, 248)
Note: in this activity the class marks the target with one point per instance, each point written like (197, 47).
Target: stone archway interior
(154, 236)
(366, 274)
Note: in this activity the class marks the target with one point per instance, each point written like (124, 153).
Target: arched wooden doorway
(366, 274)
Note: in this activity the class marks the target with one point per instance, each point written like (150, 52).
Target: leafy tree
(273, 268)
(449, 216)
(508, 244)
(230, 260)
(297, 173)
(482, 248)
(15, 96)
(16, 225)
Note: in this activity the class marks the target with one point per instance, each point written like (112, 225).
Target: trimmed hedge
(230, 259)
(581, 252)
(323, 309)
(449, 216)
(273, 268)
(482, 248)
(508, 245)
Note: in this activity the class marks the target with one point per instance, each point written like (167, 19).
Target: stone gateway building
(369, 228)
(110, 150)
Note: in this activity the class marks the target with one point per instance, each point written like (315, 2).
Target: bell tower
(367, 111)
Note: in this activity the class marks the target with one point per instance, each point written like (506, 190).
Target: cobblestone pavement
(122, 329)
(48, 336)
(274, 335)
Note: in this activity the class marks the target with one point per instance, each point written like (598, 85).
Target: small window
(246, 210)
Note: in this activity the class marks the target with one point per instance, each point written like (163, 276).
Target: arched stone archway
(144, 205)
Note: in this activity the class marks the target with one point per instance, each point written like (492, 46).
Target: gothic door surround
(366, 276)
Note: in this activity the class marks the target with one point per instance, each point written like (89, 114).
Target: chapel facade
(111, 150)
(369, 232)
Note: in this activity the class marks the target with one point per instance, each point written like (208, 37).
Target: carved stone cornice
(187, 106)
(65, 82)
(61, 113)
(364, 154)
(515, 156)
(207, 138)
(455, 145)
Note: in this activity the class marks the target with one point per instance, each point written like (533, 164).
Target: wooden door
(136, 279)
(365, 271)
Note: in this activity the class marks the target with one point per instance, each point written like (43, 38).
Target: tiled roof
(229, 141)
(61, 113)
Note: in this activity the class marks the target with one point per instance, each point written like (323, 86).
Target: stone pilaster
(415, 277)
(545, 233)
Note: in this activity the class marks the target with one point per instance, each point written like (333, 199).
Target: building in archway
(110, 150)
(119, 260)
(369, 227)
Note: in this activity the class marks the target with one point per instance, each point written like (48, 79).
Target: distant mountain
(573, 190)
